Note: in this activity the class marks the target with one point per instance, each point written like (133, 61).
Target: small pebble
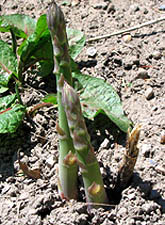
(75, 2)
(142, 73)
(122, 211)
(154, 108)
(132, 196)
(137, 85)
(5, 189)
(97, 5)
(127, 38)
(50, 161)
(111, 8)
(147, 207)
(91, 51)
(149, 93)
(131, 221)
(30, 7)
(145, 11)
(146, 150)
(121, 74)
(100, 5)
(127, 64)
(143, 223)
(93, 25)
(105, 143)
(135, 60)
(162, 7)
(118, 60)
(14, 7)
(156, 54)
(134, 8)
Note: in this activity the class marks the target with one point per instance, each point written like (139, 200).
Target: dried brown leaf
(35, 173)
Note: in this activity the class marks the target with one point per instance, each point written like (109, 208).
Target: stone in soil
(149, 93)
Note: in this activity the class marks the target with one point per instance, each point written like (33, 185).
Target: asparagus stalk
(57, 27)
(128, 162)
(67, 166)
(93, 183)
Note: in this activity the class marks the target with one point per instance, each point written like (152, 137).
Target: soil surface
(134, 64)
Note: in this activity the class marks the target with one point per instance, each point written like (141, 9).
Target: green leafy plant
(34, 46)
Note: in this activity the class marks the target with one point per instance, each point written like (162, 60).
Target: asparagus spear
(128, 162)
(93, 183)
(57, 27)
(67, 166)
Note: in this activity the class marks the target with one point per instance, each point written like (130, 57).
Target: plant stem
(14, 41)
(126, 30)
(67, 164)
(93, 183)
(20, 68)
(67, 167)
(17, 93)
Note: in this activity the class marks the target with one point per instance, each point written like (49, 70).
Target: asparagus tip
(54, 16)
(133, 137)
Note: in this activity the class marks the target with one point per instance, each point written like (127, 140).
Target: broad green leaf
(98, 96)
(44, 49)
(8, 61)
(76, 41)
(11, 118)
(30, 44)
(50, 98)
(22, 25)
(41, 26)
(26, 48)
(3, 89)
(38, 51)
(46, 67)
(11, 114)
(7, 101)
(4, 79)
(38, 48)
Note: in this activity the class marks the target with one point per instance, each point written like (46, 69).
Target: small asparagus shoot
(128, 162)
(86, 159)
(67, 166)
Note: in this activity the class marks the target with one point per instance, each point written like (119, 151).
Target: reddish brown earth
(136, 69)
